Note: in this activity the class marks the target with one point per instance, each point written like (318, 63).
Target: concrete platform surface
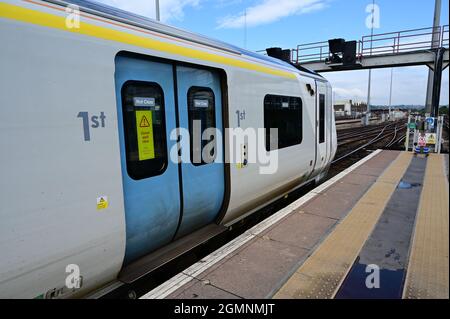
(316, 247)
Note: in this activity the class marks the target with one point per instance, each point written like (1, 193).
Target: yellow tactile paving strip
(427, 273)
(322, 273)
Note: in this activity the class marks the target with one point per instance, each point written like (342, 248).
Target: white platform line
(187, 275)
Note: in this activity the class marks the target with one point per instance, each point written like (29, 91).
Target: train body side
(60, 147)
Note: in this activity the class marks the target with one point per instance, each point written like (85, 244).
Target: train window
(202, 116)
(321, 118)
(285, 114)
(144, 129)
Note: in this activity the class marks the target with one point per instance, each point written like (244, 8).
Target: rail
(377, 138)
(392, 141)
(384, 132)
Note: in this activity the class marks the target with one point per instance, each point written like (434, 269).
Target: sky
(259, 24)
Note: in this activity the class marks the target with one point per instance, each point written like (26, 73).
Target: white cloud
(355, 94)
(270, 11)
(227, 3)
(169, 9)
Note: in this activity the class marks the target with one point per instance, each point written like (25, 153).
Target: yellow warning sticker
(430, 138)
(144, 127)
(102, 202)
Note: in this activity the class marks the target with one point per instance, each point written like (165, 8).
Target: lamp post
(390, 94)
(370, 70)
(158, 18)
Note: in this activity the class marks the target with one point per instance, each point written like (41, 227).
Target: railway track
(356, 136)
(349, 132)
(352, 141)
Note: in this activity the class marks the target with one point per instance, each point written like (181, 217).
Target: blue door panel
(152, 205)
(203, 186)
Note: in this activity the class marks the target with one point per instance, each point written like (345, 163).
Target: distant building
(349, 108)
(343, 108)
(397, 114)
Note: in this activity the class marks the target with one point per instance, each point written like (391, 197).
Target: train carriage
(88, 111)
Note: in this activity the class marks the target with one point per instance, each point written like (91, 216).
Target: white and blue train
(89, 96)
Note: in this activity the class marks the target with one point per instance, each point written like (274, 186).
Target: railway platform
(379, 229)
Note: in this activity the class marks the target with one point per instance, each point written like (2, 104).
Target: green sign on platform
(412, 126)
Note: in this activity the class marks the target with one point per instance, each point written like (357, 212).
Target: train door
(321, 126)
(200, 112)
(146, 116)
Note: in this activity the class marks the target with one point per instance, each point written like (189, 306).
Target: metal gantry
(377, 45)
(423, 46)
